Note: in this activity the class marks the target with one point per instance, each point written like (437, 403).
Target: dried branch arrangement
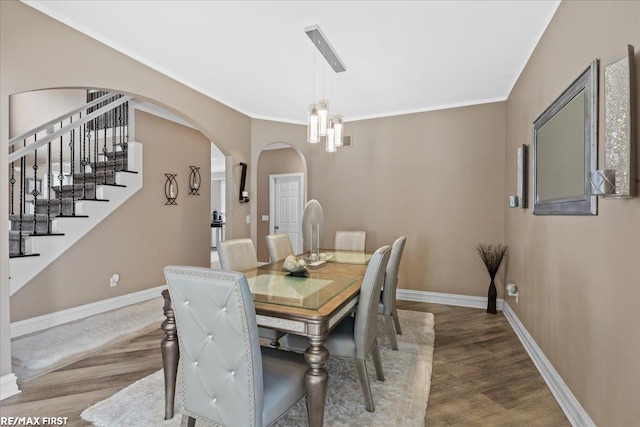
(491, 256)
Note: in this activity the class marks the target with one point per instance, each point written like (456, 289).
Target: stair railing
(75, 139)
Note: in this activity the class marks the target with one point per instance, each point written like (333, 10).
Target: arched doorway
(279, 162)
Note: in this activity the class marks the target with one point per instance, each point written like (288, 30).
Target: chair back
(391, 276)
(366, 325)
(279, 246)
(237, 255)
(220, 354)
(350, 240)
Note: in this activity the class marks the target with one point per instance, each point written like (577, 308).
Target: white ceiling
(401, 56)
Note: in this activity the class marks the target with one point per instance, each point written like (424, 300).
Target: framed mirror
(565, 150)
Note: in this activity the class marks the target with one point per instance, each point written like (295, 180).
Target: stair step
(75, 191)
(98, 176)
(14, 244)
(117, 154)
(108, 165)
(38, 223)
(54, 206)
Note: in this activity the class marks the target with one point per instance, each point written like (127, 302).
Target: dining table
(310, 306)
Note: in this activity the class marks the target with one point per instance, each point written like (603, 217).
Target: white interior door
(286, 207)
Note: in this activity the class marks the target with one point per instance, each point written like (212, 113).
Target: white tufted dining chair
(240, 255)
(356, 338)
(350, 240)
(278, 246)
(387, 305)
(228, 378)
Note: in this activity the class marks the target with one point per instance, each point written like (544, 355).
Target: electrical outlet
(114, 280)
(265, 218)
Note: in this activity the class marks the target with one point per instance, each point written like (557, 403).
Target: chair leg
(391, 331)
(187, 421)
(396, 320)
(375, 353)
(364, 382)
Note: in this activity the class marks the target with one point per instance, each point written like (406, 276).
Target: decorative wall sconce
(244, 195)
(171, 188)
(194, 180)
(618, 178)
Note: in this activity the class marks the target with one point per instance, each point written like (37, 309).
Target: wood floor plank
(482, 376)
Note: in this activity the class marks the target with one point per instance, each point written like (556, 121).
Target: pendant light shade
(337, 128)
(323, 116)
(331, 142)
(312, 125)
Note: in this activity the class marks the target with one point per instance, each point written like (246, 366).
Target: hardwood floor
(482, 376)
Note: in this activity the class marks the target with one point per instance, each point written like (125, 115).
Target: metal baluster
(124, 117)
(23, 164)
(60, 175)
(83, 160)
(104, 148)
(13, 184)
(49, 188)
(35, 191)
(95, 157)
(114, 128)
(73, 170)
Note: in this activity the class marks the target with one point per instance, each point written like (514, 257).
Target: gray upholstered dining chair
(237, 255)
(228, 378)
(240, 255)
(278, 246)
(387, 305)
(350, 240)
(356, 337)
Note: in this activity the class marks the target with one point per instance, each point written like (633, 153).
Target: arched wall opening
(276, 159)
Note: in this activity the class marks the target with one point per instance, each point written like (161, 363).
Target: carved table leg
(316, 379)
(170, 356)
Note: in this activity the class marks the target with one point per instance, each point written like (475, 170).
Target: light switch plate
(265, 218)
(248, 219)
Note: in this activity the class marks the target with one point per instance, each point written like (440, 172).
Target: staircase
(66, 176)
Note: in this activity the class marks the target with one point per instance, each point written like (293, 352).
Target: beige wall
(31, 109)
(436, 177)
(138, 239)
(284, 160)
(29, 39)
(579, 277)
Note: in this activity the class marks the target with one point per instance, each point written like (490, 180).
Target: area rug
(57, 346)
(401, 400)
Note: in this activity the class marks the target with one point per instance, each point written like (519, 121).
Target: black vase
(493, 295)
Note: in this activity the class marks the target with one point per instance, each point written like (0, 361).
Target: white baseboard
(46, 321)
(8, 386)
(447, 299)
(573, 410)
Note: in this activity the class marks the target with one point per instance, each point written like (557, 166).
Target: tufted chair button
(186, 302)
(233, 372)
(224, 309)
(215, 399)
(210, 337)
(195, 363)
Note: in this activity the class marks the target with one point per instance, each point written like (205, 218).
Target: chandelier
(320, 123)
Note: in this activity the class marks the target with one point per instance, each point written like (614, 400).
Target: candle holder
(171, 188)
(194, 181)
